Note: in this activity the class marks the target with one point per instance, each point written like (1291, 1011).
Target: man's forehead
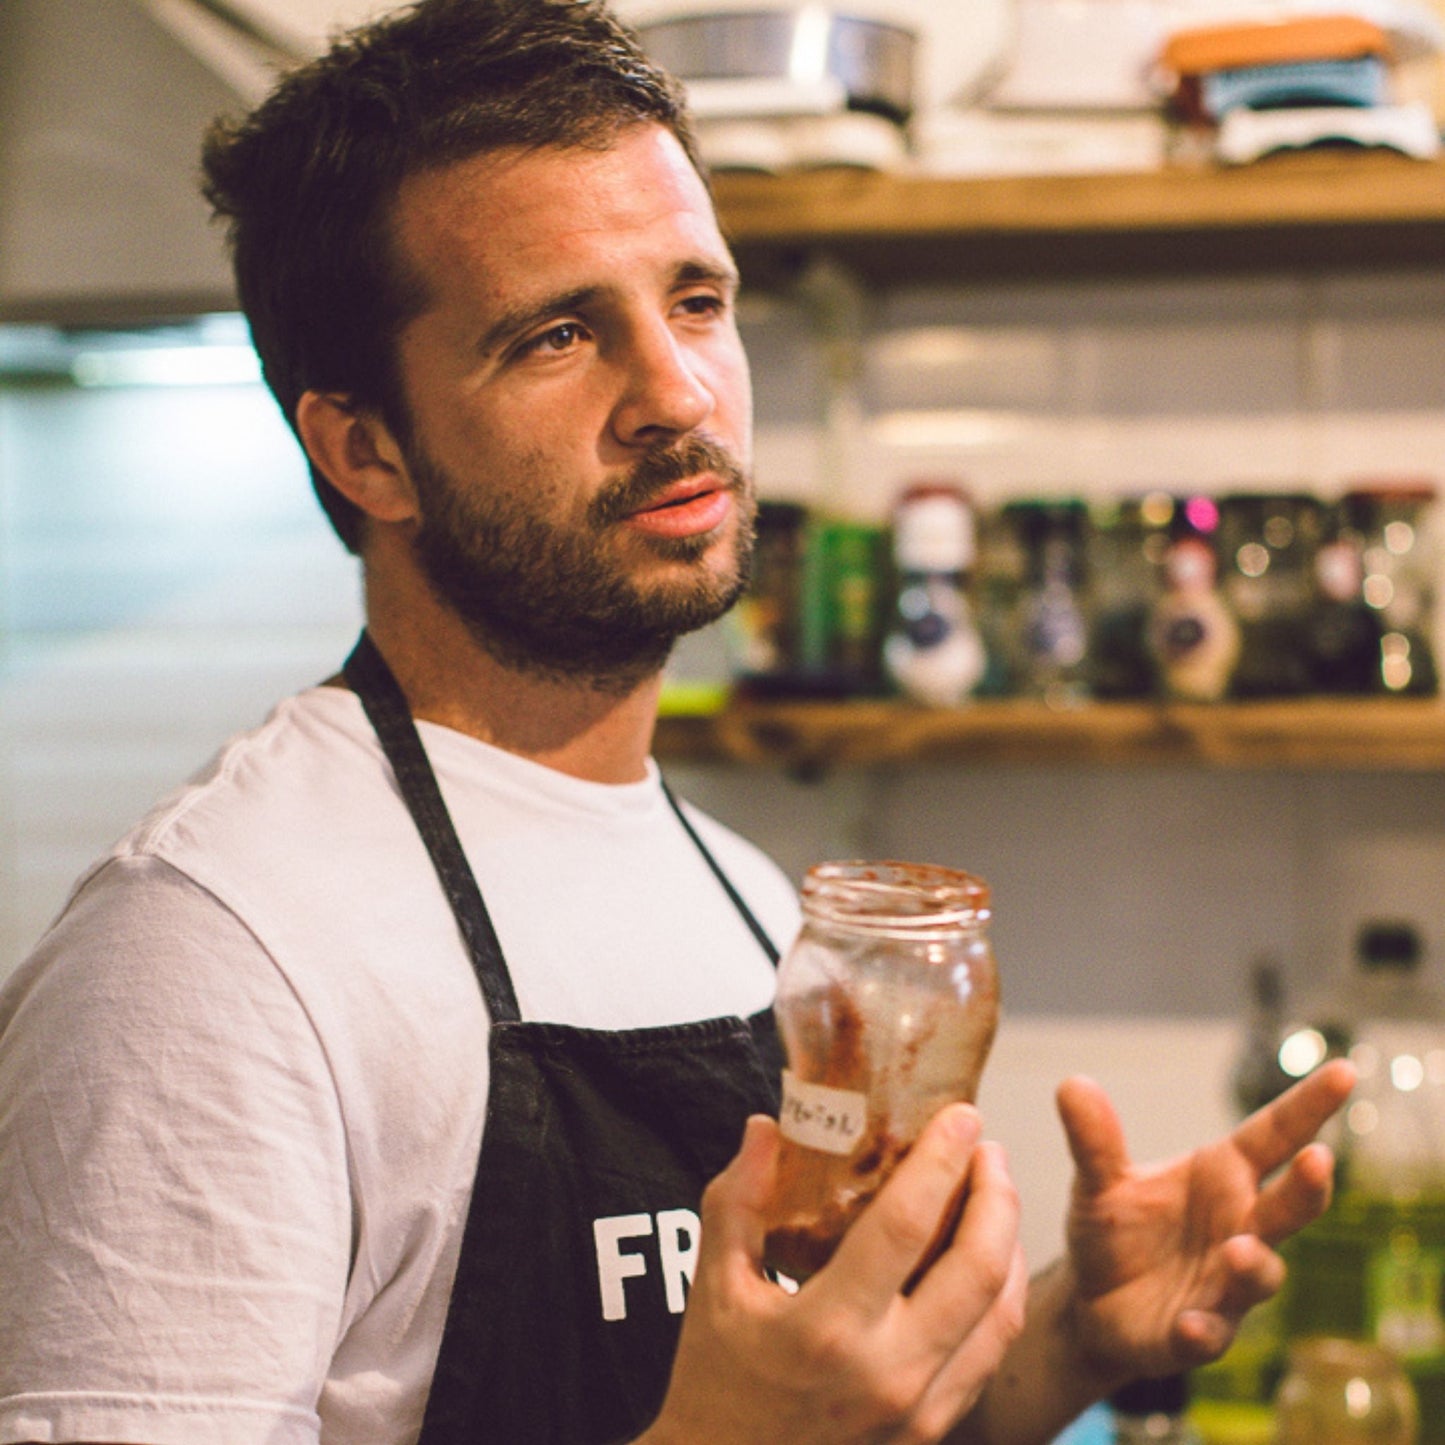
(521, 221)
(644, 173)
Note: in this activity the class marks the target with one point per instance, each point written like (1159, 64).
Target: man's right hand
(850, 1358)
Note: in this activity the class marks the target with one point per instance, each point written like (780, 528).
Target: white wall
(164, 575)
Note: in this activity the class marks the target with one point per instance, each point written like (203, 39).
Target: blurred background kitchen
(1101, 411)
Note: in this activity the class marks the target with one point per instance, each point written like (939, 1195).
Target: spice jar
(1344, 1392)
(887, 1005)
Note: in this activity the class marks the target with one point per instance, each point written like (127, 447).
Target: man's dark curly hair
(306, 183)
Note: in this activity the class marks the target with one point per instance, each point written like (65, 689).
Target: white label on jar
(820, 1117)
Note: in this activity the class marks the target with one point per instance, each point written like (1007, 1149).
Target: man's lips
(685, 509)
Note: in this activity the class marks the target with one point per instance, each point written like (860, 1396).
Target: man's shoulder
(769, 892)
(306, 768)
(290, 824)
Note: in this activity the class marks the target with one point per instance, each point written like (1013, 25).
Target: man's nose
(663, 393)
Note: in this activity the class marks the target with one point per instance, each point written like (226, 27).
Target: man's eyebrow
(694, 272)
(520, 319)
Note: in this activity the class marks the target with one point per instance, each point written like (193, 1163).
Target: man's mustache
(661, 468)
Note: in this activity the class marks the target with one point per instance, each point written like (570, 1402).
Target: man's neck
(449, 678)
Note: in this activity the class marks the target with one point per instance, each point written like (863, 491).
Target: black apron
(582, 1229)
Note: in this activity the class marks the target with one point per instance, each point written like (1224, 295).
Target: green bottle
(1373, 1267)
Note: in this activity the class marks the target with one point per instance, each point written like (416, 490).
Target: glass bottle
(1344, 1392)
(764, 626)
(1398, 529)
(887, 1005)
(1373, 1266)
(1257, 1077)
(1238, 1386)
(933, 652)
(1127, 540)
(1053, 627)
(1267, 544)
(1192, 632)
(845, 580)
(1153, 1412)
(1342, 640)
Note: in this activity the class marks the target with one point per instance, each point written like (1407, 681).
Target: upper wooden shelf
(811, 738)
(1338, 208)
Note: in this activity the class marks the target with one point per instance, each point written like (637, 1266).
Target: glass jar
(1344, 1392)
(1128, 538)
(1267, 545)
(887, 1005)
(1053, 627)
(1397, 524)
(764, 625)
(933, 652)
(1373, 1265)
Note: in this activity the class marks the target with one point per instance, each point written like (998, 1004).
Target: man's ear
(356, 452)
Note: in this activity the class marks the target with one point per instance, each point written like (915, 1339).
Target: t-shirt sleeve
(175, 1219)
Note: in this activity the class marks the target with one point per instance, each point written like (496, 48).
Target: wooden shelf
(1318, 208)
(1336, 209)
(811, 738)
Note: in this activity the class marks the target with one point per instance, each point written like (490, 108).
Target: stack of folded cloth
(1253, 87)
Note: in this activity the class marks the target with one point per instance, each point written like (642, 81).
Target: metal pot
(802, 51)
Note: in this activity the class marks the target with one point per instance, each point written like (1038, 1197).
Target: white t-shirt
(243, 1077)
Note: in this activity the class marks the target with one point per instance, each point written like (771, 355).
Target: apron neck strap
(757, 929)
(385, 704)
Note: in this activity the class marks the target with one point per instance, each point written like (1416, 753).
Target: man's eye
(705, 303)
(557, 338)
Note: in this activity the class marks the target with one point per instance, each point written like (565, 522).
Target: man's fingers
(969, 1276)
(1249, 1272)
(960, 1380)
(1094, 1133)
(734, 1203)
(1299, 1195)
(883, 1247)
(1279, 1130)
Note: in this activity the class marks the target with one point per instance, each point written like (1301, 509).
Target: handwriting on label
(818, 1116)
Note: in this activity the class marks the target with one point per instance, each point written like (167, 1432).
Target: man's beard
(550, 600)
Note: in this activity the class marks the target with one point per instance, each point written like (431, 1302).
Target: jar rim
(891, 894)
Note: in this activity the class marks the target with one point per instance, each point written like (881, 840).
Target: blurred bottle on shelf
(765, 624)
(1050, 632)
(999, 579)
(1400, 554)
(1342, 640)
(1192, 632)
(933, 652)
(1373, 1267)
(1267, 544)
(847, 579)
(1126, 544)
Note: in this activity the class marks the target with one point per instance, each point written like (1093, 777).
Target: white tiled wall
(164, 574)
(1129, 891)
(1118, 385)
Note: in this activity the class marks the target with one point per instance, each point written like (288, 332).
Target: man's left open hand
(1167, 1259)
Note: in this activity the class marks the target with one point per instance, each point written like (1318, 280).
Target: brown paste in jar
(837, 1187)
